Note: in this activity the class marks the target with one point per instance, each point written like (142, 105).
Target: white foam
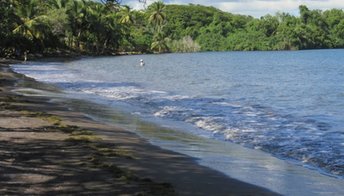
(207, 123)
(231, 134)
(167, 110)
(227, 104)
(117, 93)
(248, 130)
(49, 76)
(176, 97)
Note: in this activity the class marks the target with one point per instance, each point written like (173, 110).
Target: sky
(256, 8)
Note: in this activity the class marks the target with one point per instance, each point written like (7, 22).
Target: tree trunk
(105, 46)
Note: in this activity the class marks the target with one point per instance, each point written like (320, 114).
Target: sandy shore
(47, 149)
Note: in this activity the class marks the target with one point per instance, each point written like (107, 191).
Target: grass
(81, 132)
(55, 120)
(77, 134)
(109, 150)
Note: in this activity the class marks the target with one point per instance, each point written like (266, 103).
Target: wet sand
(48, 149)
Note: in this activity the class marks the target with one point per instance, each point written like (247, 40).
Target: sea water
(286, 104)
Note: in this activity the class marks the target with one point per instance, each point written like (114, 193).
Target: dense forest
(106, 27)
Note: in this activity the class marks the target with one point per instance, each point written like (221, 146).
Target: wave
(282, 133)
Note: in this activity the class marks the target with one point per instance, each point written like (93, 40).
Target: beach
(49, 149)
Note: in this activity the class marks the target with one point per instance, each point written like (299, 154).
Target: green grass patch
(109, 150)
(81, 132)
(55, 120)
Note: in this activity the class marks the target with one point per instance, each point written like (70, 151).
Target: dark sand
(46, 149)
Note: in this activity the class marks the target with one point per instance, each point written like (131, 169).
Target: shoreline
(129, 163)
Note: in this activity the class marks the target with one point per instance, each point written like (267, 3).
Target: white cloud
(135, 4)
(261, 7)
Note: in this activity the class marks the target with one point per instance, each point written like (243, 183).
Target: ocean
(285, 106)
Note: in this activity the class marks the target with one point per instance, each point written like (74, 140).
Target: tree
(304, 14)
(335, 20)
(7, 17)
(286, 37)
(157, 19)
(104, 31)
(31, 24)
(126, 15)
(338, 34)
(159, 42)
(210, 39)
(58, 21)
(58, 4)
(157, 15)
(77, 20)
(141, 35)
(107, 27)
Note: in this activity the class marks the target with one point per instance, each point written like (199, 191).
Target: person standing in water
(142, 63)
(25, 55)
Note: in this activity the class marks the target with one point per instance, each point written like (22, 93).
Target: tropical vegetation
(106, 27)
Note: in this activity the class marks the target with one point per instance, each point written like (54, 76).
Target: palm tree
(126, 15)
(58, 4)
(30, 24)
(159, 42)
(104, 25)
(157, 16)
(77, 21)
(112, 34)
(95, 17)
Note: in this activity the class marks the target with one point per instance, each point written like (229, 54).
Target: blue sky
(254, 8)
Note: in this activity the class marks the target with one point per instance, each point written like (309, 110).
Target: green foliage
(159, 43)
(7, 18)
(157, 20)
(216, 30)
(106, 27)
(157, 16)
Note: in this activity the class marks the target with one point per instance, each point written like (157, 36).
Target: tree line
(215, 30)
(107, 27)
